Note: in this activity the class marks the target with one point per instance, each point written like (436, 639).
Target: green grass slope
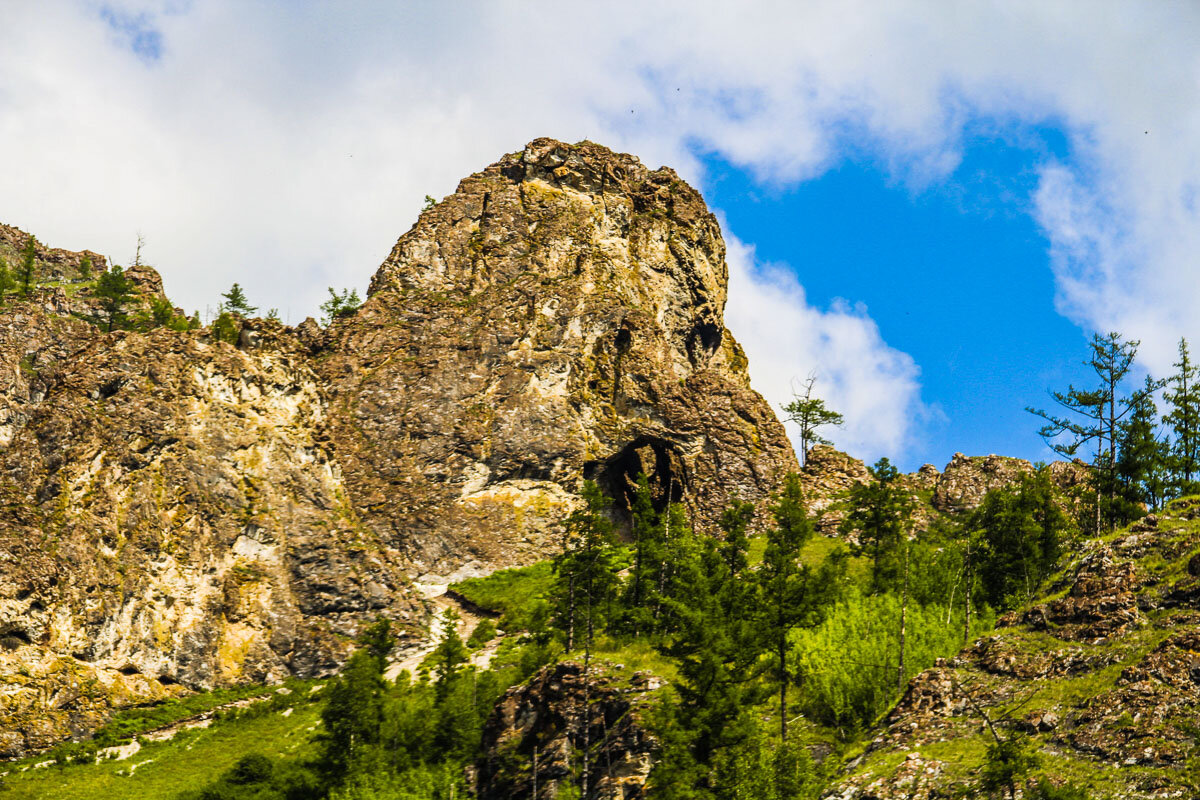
(279, 725)
(1099, 680)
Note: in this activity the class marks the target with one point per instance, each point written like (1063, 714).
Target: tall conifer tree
(1183, 397)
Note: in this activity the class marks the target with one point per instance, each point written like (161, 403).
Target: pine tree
(878, 515)
(717, 641)
(1143, 456)
(1022, 532)
(339, 305)
(784, 583)
(114, 291)
(7, 282)
(1183, 396)
(648, 529)
(1094, 416)
(27, 269)
(353, 714)
(450, 655)
(810, 414)
(236, 302)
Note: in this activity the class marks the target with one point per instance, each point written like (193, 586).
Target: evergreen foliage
(225, 328)
(339, 305)
(1022, 530)
(1183, 398)
(114, 291)
(1094, 418)
(27, 267)
(7, 281)
(810, 414)
(879, 516)
(235, 302)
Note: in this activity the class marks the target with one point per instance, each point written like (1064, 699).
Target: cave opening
(617, 475)
(703, 341)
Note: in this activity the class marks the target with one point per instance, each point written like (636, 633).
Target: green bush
(518, 595)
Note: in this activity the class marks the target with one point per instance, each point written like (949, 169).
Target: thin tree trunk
(587, 694)
(903, 620)
(783, 681)
(970, 580)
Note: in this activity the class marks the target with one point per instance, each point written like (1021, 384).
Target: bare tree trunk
(903, 621)
(970, 580)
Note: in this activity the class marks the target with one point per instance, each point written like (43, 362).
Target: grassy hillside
(282, 724)
(1099, 681)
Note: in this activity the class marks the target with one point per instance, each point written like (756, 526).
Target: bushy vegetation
(517, 595)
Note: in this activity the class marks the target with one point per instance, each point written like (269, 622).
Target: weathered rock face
(178, 513)
(51, 263)
(550, 712)
(558, 317)
(1104, 675)
(967, 479)
(829, 475)
(171, 517)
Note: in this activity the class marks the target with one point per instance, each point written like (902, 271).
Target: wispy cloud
(287, 147)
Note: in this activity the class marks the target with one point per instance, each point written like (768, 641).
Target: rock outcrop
(559, 317)
(966, 479)
(178, 513)
(549, 713)
(50, 263)
(1102, 675)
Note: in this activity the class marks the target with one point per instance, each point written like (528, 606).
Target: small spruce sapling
(27, 269)
(236, 302)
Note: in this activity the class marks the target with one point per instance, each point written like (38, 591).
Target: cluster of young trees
(768, 635)
(1137, 458)
(408, 739)
(726, 623)
(116, 295)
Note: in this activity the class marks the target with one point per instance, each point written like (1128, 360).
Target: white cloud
(786, 339)
(288, 148)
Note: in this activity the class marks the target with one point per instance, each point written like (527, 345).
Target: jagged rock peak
(558, 317)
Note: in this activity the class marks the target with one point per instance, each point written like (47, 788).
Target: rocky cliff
(1102, 675)
(177, 512)
(548, 714)
(558, 317)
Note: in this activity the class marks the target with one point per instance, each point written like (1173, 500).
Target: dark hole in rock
(12, 637)
(11, 640)
(617, 476)
(167, 680)
(110, 387)
(129, 669)
(703, 341)
(624, 340)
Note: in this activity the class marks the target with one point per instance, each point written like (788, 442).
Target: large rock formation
(179, 512)
(556, 715)
(558, 317)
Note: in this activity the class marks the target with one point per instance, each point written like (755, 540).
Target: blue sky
(955, 273)
(932, 210)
